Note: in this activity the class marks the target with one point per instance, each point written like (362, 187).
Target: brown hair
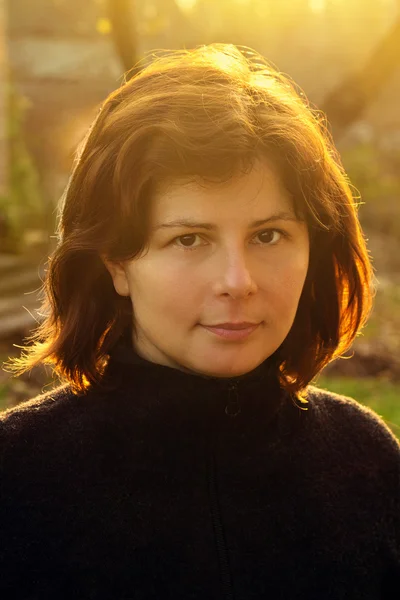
(206, 113)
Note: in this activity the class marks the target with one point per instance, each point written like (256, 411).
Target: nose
(235, 277)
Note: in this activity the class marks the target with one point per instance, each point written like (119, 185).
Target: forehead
(258, 192)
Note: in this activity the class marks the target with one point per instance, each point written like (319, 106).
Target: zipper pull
(233, 407)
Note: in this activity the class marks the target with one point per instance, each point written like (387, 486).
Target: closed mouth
(233, 326)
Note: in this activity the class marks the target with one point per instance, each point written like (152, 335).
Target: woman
(210, 263)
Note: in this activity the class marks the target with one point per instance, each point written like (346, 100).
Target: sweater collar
(251, 394)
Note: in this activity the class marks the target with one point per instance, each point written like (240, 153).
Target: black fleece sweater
(169, 485)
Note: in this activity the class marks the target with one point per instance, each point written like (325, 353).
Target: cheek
(163, 286)
(285, 284)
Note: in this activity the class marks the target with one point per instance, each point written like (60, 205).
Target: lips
(233, 332)
(233, 326)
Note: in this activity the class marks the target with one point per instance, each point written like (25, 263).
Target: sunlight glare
(317, 6)
(186, 5)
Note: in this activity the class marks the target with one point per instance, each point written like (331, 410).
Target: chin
(226, 372)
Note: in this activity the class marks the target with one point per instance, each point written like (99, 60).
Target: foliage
(374, 172)
(22, 208)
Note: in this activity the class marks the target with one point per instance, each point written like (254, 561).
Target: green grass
(3, 397)
(381, 395)
(5, 401)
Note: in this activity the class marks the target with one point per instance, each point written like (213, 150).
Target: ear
(118, 275)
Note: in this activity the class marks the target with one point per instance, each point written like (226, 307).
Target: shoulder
(49, 408)
(45, 405)
(351, 449)
(344, 421)
(47, 420)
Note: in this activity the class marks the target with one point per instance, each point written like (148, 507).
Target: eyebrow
(281, 216)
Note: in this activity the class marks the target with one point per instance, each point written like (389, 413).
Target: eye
(270, 236)
(186, 241)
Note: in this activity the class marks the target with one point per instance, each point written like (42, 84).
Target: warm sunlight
(199, 299)
(317, 6)
(186, 5)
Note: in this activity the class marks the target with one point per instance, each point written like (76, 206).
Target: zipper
(233, 406)
(222, 551)
(232, 409)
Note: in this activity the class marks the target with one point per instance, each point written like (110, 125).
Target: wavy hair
(208, 113)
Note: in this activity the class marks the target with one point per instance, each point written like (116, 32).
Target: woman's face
(220, 267)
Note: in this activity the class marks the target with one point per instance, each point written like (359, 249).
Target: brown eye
(186, 240)
(270, 236)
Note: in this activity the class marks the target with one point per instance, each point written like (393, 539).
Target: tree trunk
(347, 102)
(122, 18)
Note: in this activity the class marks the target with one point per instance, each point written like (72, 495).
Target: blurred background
(59, 59)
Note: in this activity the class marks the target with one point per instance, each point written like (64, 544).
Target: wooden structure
(20, 282)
